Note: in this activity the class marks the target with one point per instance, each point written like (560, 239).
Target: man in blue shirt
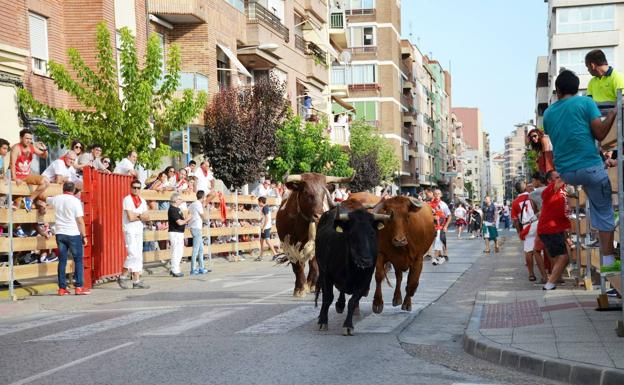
(573, 124)
(4, 149)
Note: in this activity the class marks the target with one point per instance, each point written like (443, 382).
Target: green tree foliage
(306, 148)
(240, 130)
(470, 189)
(531, 159)
(119, 124)
(366, 139)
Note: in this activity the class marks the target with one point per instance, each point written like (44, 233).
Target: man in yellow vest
(606, 81)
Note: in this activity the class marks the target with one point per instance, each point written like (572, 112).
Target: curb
(27, 291)
(552, 368)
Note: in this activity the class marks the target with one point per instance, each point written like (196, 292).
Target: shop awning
(343, 104)
(239, 66)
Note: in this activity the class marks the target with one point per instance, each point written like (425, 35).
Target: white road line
(7, 329)
(191, 323)
(255, 301)
(98, 327)
(387, 321)
(69, 365)
(247, 281)
(283, 323)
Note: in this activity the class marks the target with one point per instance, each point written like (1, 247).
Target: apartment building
(474, 155)
(514, 166)
(577, 26)
(497, 170)
(542, 89)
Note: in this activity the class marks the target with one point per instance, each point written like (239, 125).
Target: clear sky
(492, 47)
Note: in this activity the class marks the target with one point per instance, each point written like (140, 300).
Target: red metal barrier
(103, 196)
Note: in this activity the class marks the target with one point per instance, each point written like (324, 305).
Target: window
(238, 4)
(224, 74)
(574, 59)
(362, 36)
(38, 28)
(354, 74)
(360, 4)
(193, 81)
(405, 153)
(586, 19)
(366, 110)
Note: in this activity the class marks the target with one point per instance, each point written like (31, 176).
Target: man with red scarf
(442, 219)
(205, 179)
(134, 213)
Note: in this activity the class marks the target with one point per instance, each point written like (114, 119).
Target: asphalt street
(240, 325)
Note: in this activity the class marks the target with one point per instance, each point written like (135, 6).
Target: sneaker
(194, 272)
(435, 261)
(140, 285)
(177, 275)
(612, 293)
(615, 267)
(48, 258)
(82, 291)
(19, 232)
(123, 282)
(544, 288)
(204, 271)
(28, 204)
(445, 258)
(63, 292)
(442, 259)
(259, 259)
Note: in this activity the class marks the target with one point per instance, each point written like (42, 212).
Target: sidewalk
(555, 334)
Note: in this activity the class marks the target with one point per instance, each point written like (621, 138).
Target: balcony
(317, 69)
(300, 43)
(339, 134)
(257, 14)
(338, 29)
(179, 11)
(318, 8)
(364, 87)
(370, 51)
(359, 12)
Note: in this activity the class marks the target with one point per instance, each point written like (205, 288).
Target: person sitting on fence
(106, 163)
(21, 157)
(134, 214)
(199, 213)
(4, 149)
(177, 223)
(205, 179)
(93, 159)
(182, 183)
(62, 170)
(606, 81)
(263, 189)
(127, 165)
(69, 228)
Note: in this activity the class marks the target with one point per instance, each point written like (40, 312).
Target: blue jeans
(72, 243)
(198, 249)
(597, 186)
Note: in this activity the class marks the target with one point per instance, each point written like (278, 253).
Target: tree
(365, 139)
(367, 173)
(138, 120)
(469, 189)
(240, 130)
(306, 148)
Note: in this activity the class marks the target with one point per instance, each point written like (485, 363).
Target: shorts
(529, 240)
(265, 234)
(597, 186)
(440, 241)
(555, 244)
(34, 179)
(490, 232)
(460, 222)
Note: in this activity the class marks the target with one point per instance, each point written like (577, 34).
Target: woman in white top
(460, 219)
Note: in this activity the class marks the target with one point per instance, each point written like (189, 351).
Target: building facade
(497, 170)
(514, 165)
(474, 159)
(542, 89)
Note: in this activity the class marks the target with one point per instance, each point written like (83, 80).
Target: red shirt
(553, 218)
(22, 163)
(516, 205)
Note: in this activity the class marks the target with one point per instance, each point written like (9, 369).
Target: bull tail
(319, 283)
(386, 275)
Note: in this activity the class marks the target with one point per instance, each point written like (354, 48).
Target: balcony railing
(256, 13)
(300, 43)
(365, 87)
(319, 55)
(364, 11)
(366, 49)
(337, 20)
(339, 133)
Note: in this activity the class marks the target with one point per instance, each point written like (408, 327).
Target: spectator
(70, 233)
(205, 179)
(172, 178)
(62, 170)
(442, 219)
(192, 184)
(541, 144)
(525, 222)
(127, 165)
(460, 219)
(177, 222)
(182, 184)
(191, 168)
(263, 189)
(265, 227)
(506, 216)
(93, 159)
(21, 158)
(106, 163)
(539, 183)
(199, 213)
(134, 213)
(77, 148)
(553, 224)
(4, 149)
(573, 124)
(489, 225)
(606, 81)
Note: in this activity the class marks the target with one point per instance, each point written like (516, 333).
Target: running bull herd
(345, 244)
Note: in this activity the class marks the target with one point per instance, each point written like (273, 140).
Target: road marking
(98, 327)
(285, 322)
(7, 329)
(247, 281)
(191, 323)
(255, 301)
(387, 321)
(69, 365)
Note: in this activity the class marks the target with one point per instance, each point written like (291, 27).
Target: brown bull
(403, 241)
(296, 223)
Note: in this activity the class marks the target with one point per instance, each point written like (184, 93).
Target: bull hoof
(347, 331)
(396, 301)
(340, 308)
(406, 307)
(312, 289)
(323, 327)
(299, 293)
(377, 309)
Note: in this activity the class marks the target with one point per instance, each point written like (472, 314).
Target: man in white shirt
(126, 166)
(62, 170)
(134, 213)
(70, 233)
(205, 179)
(191, 168)
(265, 227)
(263, 189)
(199, 213)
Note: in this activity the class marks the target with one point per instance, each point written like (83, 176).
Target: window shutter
(38, 37)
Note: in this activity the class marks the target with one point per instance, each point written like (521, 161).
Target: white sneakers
(439, 260)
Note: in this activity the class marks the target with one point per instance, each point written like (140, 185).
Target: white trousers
(134, 246)
(176, 243)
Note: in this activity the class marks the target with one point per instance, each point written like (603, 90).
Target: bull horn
(293, 178)
(330, 202)
(339, 179)
(415, 202)
(381, 217)
(343, 217)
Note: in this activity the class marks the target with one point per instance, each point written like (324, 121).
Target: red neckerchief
(205, 173)
(137, 200)
(68, 193)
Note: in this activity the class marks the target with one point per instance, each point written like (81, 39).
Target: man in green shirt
(606, 81)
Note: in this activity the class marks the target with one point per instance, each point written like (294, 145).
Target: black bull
(296, 223)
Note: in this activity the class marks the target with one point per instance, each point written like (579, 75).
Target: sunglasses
(136, 187)
(533, 136)
(106, 161)
(77, 146)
